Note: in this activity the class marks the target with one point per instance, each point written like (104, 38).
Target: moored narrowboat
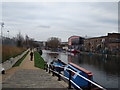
(77, 79)
(74, 51)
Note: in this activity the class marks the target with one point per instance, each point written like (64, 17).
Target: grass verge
(38, 60)
(20, 60)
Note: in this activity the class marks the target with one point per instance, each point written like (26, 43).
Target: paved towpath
(28, 76)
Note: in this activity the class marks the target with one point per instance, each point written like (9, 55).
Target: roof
(96, 37)
(75, 36)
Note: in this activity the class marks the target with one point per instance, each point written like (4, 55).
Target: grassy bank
(20, 60)
(38, 60)
(11, 51)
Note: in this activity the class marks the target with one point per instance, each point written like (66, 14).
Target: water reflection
(105, 68)
(48, 55)
(52, 55)
(108, 64)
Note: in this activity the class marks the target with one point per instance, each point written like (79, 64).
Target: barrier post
(89, 84)
(59, 79)
(46, 67)
(53, 74)
(49, 69)
(70, 73)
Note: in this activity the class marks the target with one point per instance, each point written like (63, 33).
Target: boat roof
(80, 68)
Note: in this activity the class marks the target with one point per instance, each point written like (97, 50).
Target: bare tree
(53, 42)
(26, 42)
(20, 40)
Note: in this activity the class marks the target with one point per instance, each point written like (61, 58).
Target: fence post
(70, 73)
(53, 74)
(46, 67)
(59, 79)
(89, 84)
(49, 69)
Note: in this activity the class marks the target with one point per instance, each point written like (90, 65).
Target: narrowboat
(75, 78)
(57, 65)
(69, 71)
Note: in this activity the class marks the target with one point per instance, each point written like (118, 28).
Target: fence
(8, 41)
(70, 81)
(9, 63)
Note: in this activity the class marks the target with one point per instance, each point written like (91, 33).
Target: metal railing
(70, 82)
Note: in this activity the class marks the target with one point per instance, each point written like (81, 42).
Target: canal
(104, 68)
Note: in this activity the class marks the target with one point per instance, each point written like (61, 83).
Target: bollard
(70, 73)
(3, 71)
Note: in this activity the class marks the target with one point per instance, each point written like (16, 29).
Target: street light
(2, 25)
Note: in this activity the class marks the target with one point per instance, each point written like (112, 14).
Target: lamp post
(2, 25)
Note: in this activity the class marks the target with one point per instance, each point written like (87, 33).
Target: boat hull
(77, 79)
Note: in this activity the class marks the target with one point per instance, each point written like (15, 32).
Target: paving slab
(27, 78)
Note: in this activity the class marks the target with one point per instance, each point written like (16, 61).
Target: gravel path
(27, 64)
(28, 76)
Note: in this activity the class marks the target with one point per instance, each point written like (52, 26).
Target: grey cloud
(61, 19)
(43, 26)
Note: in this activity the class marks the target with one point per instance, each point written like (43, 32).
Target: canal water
(104, 68)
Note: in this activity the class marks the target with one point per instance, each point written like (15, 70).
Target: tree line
(25, 41)
(20, 41)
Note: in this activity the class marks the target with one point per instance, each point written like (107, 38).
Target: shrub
(11, 51)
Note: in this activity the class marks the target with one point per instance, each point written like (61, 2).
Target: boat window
(72, 68)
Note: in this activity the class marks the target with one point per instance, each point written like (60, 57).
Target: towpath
(28, 76)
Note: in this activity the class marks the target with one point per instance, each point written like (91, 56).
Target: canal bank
(101, 54)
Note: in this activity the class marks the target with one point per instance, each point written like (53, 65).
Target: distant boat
(74, 51)
(90, 54)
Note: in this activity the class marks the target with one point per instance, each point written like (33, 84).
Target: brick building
(75, 42)
(104, 44)
(114, 42)
(95, 44)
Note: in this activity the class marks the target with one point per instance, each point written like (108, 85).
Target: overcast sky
(41, 20)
